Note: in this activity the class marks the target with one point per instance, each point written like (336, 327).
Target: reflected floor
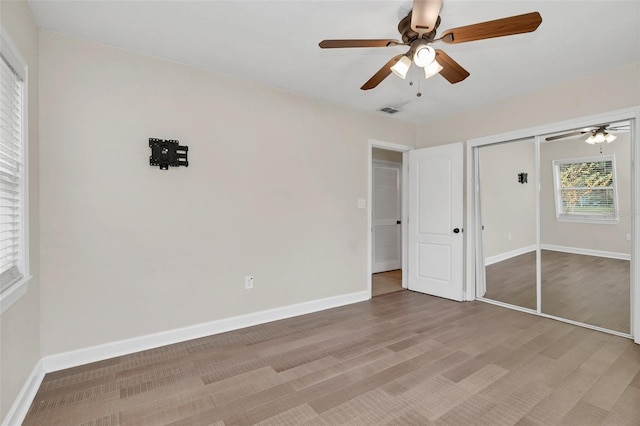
(513, 281)
(588, 289)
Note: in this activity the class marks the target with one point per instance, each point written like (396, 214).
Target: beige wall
(603, 237)
(609, 90)
(508, 219)
(20, 324)
(271, 191)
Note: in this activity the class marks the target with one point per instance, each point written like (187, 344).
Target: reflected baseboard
(586, 252)
(508, 255)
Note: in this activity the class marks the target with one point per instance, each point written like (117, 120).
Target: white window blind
(585, 189)
(11, 140)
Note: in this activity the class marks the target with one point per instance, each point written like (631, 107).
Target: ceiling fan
(418, 30)
(597, 134)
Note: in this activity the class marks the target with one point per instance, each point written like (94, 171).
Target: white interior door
(386, 239)
(435, 221)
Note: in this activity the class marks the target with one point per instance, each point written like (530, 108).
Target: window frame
(13, 57)
(585, 218)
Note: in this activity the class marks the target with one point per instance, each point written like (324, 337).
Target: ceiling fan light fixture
(432, 69)
(424, 55)
(401, 67)
(599, 137)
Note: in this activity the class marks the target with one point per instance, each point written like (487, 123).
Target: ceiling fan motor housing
(409, 35)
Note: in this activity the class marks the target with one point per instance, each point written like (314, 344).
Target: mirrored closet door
(553, 214)
(507, 175)
(585, 225)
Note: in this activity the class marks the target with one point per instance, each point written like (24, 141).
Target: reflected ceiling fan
(597, 135)
(418, 30)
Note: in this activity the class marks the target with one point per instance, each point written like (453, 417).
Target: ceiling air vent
(389, 110)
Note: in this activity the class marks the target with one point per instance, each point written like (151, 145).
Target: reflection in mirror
(585, 226)
(507, 175)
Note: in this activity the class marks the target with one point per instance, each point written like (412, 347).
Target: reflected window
(585, 189)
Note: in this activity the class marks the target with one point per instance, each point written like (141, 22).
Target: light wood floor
(399, 359)
(386, 282)
(588, 289)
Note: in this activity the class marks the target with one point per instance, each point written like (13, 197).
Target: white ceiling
(276, 43)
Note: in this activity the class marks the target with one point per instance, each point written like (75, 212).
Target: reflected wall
(507, 175)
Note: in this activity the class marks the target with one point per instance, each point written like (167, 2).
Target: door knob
(456, 230)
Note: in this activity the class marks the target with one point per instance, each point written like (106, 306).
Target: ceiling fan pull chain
(412, 74)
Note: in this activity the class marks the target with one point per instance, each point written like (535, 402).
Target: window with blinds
(585, 189)
(11, 189)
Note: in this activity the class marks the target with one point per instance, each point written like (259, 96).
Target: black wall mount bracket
(167, 152)
(522, 178)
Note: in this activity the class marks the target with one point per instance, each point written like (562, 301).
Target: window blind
(587, 188)
(11, 137)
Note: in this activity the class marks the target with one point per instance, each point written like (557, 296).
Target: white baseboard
(508, 255)
(123, 347)
(586, 252)
(20, 407)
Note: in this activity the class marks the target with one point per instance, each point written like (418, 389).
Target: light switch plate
(362, 203)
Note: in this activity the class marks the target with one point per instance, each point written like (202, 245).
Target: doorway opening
(386, 219)
(387, 210)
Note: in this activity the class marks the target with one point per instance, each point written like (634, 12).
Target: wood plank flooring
(386, 282)
(399, 359)
(588, 289)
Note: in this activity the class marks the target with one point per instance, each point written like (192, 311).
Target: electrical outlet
(248, 282)
(628, 237)
(509, 236)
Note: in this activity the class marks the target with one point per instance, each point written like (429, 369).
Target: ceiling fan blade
(500, 27)
(567, 135)
(381, 74)
(336, 44)
(424, 15)
(451, 70)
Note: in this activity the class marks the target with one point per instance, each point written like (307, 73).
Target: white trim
(123, 347)
(12, 54)
(374, 143)
(565, 320)
(471, 240)
(634, 129)
(509, 254)
(404, 228)
(13, 293)
(538, 227)
(20, 407)
(586, 252)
